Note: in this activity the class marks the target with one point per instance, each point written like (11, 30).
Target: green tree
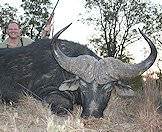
(117, 21)
(35, 16)
(7, 13)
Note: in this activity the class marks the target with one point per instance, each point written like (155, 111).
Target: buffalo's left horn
(148, 62)
(120, 70)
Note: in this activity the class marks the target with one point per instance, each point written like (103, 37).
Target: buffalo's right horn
(62, 59)
(82, 66)
(59, 33)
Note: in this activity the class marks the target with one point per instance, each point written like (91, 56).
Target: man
(14, 36)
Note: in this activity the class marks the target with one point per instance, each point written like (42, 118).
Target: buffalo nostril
(94, 114)
(85, 116)
(97, 115)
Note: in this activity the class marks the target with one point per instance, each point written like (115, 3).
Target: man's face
(13, 30)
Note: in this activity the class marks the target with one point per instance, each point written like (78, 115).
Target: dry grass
(136, 114)
(148, 117)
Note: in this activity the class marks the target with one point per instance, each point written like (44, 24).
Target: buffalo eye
(83, 83)
(108, 87)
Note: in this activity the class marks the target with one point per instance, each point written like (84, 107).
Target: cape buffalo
(65, 73)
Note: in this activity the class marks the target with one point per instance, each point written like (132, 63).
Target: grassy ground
(136, 114)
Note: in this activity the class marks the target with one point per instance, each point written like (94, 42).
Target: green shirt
(25, 41)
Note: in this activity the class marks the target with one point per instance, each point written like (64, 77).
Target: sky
(68, 11)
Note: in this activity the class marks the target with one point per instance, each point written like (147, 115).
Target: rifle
(51, 15)
(49, 20)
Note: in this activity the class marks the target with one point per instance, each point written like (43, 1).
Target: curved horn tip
(144, 35)
(140, 30)
(61, 31)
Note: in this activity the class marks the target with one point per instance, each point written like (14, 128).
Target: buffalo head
(96, 78)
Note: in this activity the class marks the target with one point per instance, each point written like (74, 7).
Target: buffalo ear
(70, 85)
(124, 92)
